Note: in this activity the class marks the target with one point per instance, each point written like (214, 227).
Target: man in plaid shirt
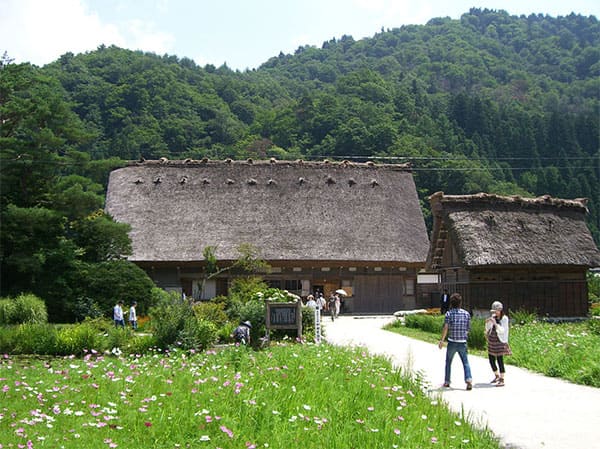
(457, 324)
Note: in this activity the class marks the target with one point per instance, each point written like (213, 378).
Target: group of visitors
(457, 324)
(119, 316)
(333, 305)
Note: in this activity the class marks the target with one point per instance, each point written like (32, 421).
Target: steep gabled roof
(498, 230)
(288, 210)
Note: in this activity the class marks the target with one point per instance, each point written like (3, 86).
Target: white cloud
(39, 31)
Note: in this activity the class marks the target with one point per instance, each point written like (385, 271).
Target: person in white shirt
(118, 315)
(133, 316)
(496, 332)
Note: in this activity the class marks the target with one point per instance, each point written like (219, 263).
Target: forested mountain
(490, 102)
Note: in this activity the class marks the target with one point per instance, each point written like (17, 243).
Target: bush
(522, 317)
(593, 325)
(254, 311)
(211, 311)
(428, 323)
(118, 338)
(140, 344)
(197, 334)
(25, 308)
(477, 338)
(77, 338)
(35, 339)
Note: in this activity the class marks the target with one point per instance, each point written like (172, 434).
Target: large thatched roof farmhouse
(528, 253)
(321, 226)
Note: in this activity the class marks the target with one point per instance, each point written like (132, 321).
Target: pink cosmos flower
(227, 431)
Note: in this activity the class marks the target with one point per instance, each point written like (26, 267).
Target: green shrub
(477, 338)
(118, 337)
(522, 317)
(25, 308)
(7, 339)
(428, 323)
(197, 334)
(35, 339)
(140, 344)
(77, 338)
(224, 332)
(211, 311)
(593, 325)
(7, 307)
(254, 311)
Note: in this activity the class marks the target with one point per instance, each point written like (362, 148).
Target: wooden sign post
(284, 315)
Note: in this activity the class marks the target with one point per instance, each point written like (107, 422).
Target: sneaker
(496, 379)
(446, 385)
(500, 382)
(469, 386)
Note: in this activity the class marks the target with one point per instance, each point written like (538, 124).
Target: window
(293, 284)
(409, 287)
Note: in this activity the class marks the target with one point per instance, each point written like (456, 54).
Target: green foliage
(25, 308)
(522, 317)
(169, 319)
(79, 338)
(477, 338)
(211, 311)
(593, 325)
(197, 334)
(428, 323)
(593, 284)
(35, 339)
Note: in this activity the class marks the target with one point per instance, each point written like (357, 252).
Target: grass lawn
(289, 396)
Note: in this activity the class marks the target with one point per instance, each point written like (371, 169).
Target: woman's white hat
(496, 305)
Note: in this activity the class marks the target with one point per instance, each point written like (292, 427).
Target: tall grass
(292, 396)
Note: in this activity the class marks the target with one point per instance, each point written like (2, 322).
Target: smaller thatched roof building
(498, 247)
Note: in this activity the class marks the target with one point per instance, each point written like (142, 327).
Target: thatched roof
(498, 230)
(290, 211)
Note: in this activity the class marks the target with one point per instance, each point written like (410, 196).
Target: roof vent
(272, 182)
(370, 163)
(374, 183)
(250, 161)
(206, 181)
(204, 160)
(187, 161)
(157, 180)
(228, 161)
(351, 182)
(301, 180)
(230, 181)
(163, 160)
(138, 181)
(252, 181)
(330, 180)
(273, 160)
(183, 180)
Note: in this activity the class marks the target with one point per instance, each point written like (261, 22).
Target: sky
(240, 33)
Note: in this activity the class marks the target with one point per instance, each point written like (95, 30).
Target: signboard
(428, 278)
(284, 315)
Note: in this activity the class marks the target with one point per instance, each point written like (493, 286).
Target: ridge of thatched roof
(289, 210)
(489, 229)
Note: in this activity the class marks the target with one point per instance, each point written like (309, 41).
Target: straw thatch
(290, 211)
(490, 229)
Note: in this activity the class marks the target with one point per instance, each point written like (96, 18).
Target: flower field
(290, 396)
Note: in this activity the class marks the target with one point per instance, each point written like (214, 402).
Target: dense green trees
(490, 102)
(56, 242)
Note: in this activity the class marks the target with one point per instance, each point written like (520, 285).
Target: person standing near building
(496, 332)
(311, 302)
(133, 316)
(118, 315)
(444, 302)
(457, 324)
